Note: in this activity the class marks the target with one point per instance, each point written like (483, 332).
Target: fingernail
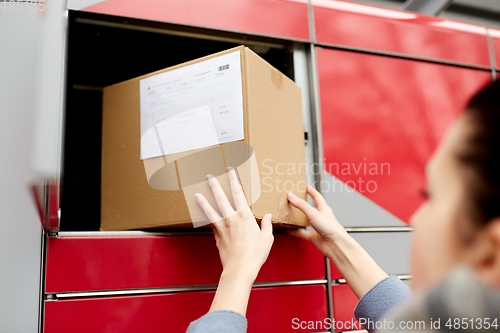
(197, 195)
(209, 176)
(291, 195)
(229, 169)
(269, 216)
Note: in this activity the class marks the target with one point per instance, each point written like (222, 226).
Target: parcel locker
(82, 275)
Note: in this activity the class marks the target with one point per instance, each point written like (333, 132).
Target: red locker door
(269, 310)
(382, 29)
(344, 303)
(135, 262)
(388, 114)
(254, 16)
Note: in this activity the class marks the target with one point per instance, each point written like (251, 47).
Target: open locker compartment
(104, 50)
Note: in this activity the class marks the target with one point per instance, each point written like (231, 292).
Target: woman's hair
(481, 154)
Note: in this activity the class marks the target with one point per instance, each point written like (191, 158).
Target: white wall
(20, 235)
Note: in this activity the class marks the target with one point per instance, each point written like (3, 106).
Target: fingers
(309, 210)
(238, 196)
(266, 224)
(300, 233)
(207, 208)
(219, 196)
(318, 198)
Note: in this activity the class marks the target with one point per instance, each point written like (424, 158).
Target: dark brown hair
(481, 154)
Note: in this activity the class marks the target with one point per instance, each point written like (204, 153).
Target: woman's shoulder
(450, 306)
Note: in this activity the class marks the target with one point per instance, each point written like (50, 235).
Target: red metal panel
(269, 310)
(273, 309)
(284, 18)
(383, 117)
(495, 37)
(362, 26)
(106, 263)
(344, 303)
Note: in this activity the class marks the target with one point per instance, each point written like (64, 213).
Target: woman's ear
(485, 254)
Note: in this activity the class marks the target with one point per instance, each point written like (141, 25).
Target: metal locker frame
(49, 116)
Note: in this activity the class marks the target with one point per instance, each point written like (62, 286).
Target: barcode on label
(223, 67)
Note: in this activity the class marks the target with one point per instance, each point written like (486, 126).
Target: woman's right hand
(357, 267)
(326, 229)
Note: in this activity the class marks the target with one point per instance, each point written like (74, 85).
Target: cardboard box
(159, 191)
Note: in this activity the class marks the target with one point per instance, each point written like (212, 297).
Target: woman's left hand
(243, 246)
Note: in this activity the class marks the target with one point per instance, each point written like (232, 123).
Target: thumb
(266, 224)
(303, 205)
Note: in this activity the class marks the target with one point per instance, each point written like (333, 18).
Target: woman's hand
(243, 246)
(326, 229)
(356, 266)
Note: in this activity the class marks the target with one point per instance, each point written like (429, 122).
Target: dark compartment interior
(101, 55)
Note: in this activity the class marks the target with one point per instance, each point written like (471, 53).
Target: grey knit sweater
(449, 307)
(459, 304)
